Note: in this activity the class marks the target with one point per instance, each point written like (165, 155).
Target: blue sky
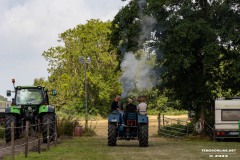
(30, 27)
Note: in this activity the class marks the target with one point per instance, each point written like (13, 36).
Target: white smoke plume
(137, 74)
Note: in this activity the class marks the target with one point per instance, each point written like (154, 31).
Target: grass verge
(95, 148)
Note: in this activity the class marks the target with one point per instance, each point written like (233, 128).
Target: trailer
(3, 105)
(227, 119)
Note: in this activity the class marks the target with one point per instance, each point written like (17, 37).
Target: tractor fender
(46, 109)
(13, 109)
(113, 117)
(142, 118)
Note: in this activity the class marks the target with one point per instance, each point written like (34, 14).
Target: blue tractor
(132, 127)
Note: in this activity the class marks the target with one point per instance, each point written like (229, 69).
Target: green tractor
(30, 103)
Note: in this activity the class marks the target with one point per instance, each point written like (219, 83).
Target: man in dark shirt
(115, 105)
(130, 107)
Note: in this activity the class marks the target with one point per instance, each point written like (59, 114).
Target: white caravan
(227, 119)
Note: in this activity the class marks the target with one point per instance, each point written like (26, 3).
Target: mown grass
(95, 148)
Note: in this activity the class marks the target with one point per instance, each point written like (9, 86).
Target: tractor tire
(10, 118)
(112, 134)
(49, 117)
(143, 135)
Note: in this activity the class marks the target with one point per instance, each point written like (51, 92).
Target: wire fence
(171, 127)
(50, 134)
(177, 128)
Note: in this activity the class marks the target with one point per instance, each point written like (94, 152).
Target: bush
(66, 123)
(91, 130)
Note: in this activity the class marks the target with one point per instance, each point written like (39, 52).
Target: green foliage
(66, 123)
(67, 73)
(197, 47)
(91, 130)
(197, 54)
(201, 64)
(125, 28)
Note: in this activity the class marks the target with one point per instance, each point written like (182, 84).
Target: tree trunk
(202, 113)
(202, 116)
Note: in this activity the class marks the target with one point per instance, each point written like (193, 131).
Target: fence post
(55, 128)
(26, 144)
(39, 136)
(48, 138)
(163, 121)
(4, 136)
(159, 122)
(12, 139)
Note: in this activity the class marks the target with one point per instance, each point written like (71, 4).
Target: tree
(201, 50)
(198, 48)
(67, 73)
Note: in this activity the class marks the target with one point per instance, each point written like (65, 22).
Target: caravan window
(231, 115)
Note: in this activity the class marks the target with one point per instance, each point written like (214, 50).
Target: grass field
(95, 148)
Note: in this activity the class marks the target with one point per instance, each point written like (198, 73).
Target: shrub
(90, 131)
(66, 123)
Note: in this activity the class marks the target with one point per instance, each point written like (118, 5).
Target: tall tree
(198, 42)
(201, 61)
(67, 73)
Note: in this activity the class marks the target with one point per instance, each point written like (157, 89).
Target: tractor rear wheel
(10, 118)
(143, 135)
(48, 120)
(112, 134)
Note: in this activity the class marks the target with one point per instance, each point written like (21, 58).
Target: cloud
(29, 27)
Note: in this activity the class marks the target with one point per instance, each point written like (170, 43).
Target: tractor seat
(131, 118)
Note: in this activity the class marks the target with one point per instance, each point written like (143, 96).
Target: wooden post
(159, 122)
(26, 144)
(4, 136)
(48, 133)
(39, 136)
(163, 121)
(12, 139)
(55, 133)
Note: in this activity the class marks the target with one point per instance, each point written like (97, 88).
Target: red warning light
(13, 81)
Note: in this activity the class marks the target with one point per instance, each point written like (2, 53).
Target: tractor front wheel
(143, 135)
(112, 134)
(48, 125)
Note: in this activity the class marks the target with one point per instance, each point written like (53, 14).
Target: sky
(30, 27)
